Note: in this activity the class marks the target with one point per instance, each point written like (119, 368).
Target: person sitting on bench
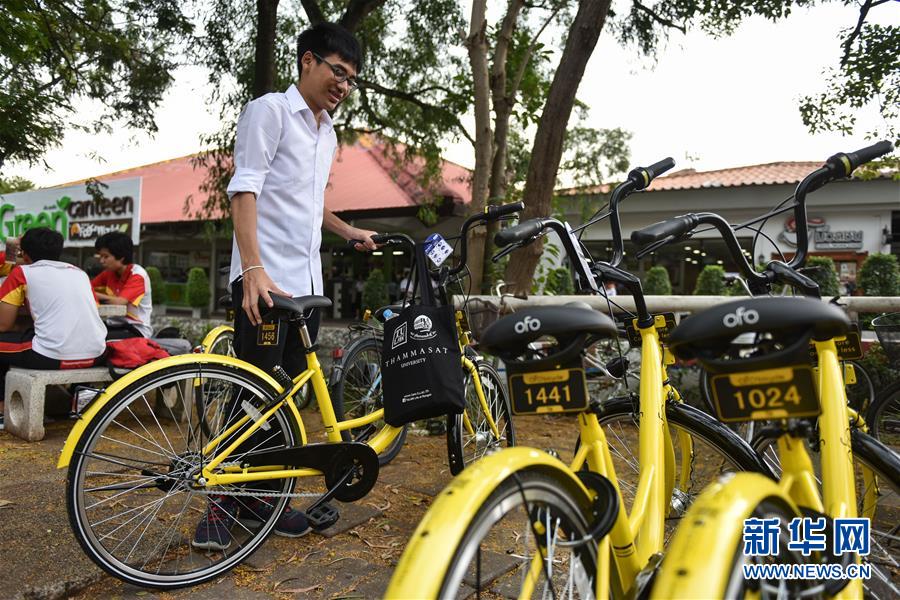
(68, 332)
(123, 282)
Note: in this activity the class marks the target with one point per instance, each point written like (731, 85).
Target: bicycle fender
(213, 334)
(157, 365)
(453, 509)
(711, 534)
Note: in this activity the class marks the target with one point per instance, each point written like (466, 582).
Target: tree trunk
(546, 152)
(264, 63)
(503, 100)
(476, 44)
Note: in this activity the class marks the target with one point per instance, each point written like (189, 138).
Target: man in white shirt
(283, 153)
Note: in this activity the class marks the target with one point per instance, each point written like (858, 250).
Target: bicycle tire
(144, 454)
(860, 395)
(874, 456)
(883, 417)
(222, 344)
(544, 499)
(353, 395)
(464, 448)
(725, 578)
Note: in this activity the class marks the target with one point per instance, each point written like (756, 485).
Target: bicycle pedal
(323, 516)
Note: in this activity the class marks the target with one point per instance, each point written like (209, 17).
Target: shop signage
(822, 236)
(72, 211)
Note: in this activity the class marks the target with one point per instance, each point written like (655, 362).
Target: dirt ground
(40, 557)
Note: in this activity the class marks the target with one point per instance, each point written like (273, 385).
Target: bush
(375, 293)
(880, 275)
(711, 281)
(197, 289)
(157, 286)
(559, 282)
(825, 275)
(656, 282)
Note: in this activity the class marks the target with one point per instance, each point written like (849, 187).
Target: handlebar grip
(381, 238)
(843, 164)
(642, 176)
(675, 227)
(500, 210)
(519, 233)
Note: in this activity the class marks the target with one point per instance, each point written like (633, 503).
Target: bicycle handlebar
(638, 179)
(673, 228)
(497, 211)
(519, 233)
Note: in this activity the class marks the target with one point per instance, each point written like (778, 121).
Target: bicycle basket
(887, 328)
(480, 315)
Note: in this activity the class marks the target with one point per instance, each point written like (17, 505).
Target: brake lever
(505, 251)
(655, 246)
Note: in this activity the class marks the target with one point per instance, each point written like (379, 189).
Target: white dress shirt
(284, 158)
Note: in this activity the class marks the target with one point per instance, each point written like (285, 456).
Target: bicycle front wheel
(706, 557)
(134, 500)
(357, 391)
(467, 442)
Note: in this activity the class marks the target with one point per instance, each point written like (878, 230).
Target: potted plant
(197, 291)
(158, 290)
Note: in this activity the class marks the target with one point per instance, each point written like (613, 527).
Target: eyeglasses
(340, 73)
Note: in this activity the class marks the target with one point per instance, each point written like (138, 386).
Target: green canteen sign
(72, 211)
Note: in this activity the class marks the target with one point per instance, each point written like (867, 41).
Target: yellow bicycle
(520, 522)
(141, 473)
(857, 475)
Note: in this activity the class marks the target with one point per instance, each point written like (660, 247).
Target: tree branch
(313, 11)
(517, 78)
(848, 44)
(412, 99)
(658, 18)
(357, 10)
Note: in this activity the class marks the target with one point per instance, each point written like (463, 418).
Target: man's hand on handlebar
(363, 239)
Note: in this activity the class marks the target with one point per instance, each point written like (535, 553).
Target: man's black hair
(42, 243)
(118, 244)
(325, 39)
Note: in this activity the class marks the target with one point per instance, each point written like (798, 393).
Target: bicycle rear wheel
(357, 391)
(703, 450)
(883, 417)
(132, 494)
(465, 446)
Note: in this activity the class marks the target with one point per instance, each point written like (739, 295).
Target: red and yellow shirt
(134, 286)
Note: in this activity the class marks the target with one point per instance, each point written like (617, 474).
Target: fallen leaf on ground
(6, 503)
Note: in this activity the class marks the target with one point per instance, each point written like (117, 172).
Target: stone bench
(24, 398)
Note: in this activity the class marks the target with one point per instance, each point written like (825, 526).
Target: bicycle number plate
(762, 395)
(634, 335)
(559, 391)
(848, 347)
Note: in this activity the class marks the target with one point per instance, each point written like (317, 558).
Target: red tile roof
(362, 178)
(690, 179)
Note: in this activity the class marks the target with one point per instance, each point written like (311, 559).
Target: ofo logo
(740, 317)
(527, 324)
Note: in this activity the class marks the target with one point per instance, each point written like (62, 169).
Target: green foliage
(375, 293)
(9, 185)
(157, 285)
(711, 281)
(879, 368)
(559, 282)
(825, 275)
(866, 72)
(119, 53)
(656, 282)
(197, 290)
(880, 275)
